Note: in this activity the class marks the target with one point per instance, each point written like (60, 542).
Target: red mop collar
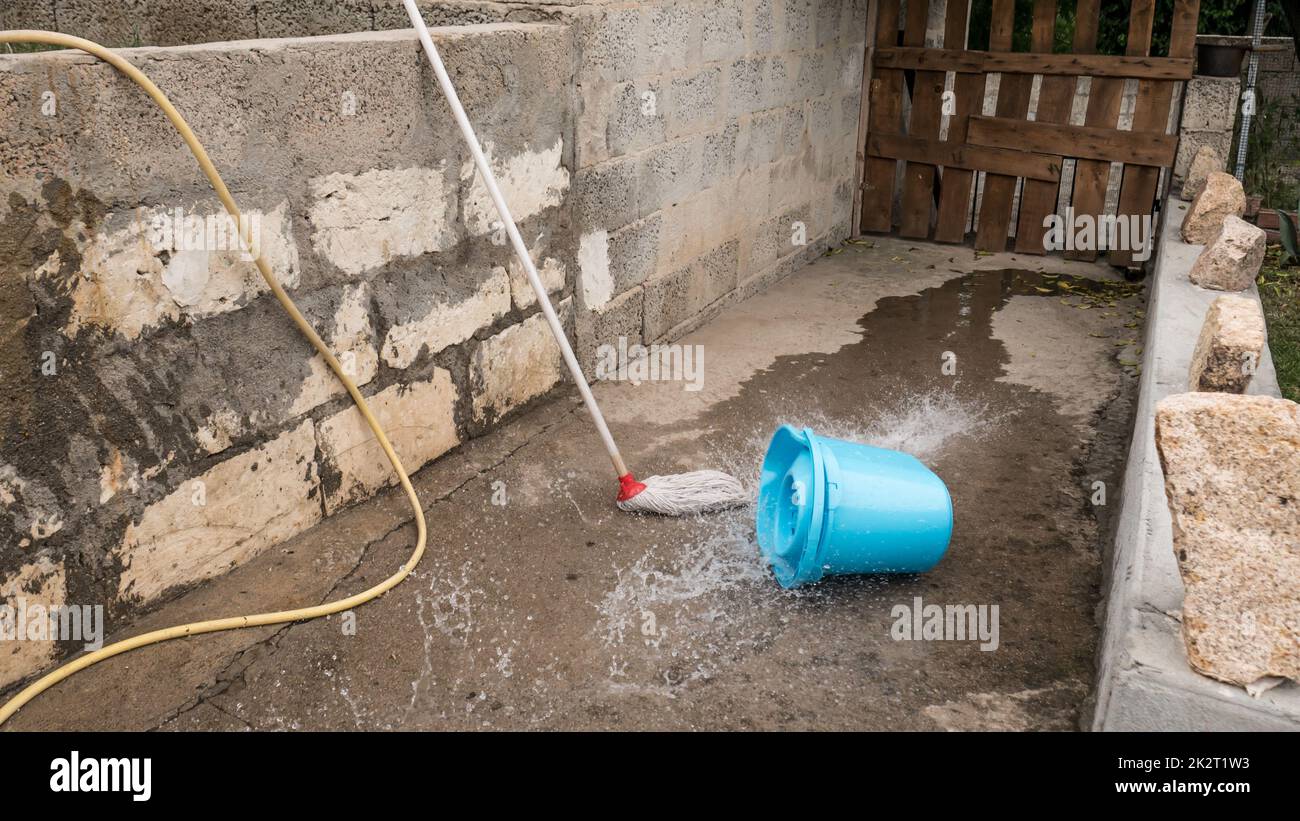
(628, 487)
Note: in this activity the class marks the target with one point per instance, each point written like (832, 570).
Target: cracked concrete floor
(555, 610)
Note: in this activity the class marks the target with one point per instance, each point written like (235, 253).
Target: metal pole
(1248, 97)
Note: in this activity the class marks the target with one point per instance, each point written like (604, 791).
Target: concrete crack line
(227, 675)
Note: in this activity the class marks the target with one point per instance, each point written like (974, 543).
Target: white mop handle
(489, 179)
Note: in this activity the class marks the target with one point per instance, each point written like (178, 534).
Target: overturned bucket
(826, 506)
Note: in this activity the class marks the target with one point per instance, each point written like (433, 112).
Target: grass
(1279, 289)
(26, 48)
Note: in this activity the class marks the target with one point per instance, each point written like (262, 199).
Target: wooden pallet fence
(1021, 159)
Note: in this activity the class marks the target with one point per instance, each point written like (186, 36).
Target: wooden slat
(1105, 144)
(1074, 65)
(999, 191)
(968, 89)
(968, 157)
(1138, 190)
(1092, 176)
(886, 117)
(927, 95)
(864, 111)
(1055, 97)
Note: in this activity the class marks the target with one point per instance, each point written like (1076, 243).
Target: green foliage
(1290, 236)
(1272, 163)
(1279, 291)
(1217, 17)
(26, 48)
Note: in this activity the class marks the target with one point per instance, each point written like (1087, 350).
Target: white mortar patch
(353, 342)
(39, 583)
(361, 221)
(449, 323)
(224, 517)
(125, 286)
(593, 264)
(516, 365)
(530, 181)
(551, 272)
(420, 420)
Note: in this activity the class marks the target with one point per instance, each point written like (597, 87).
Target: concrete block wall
(685, 110)
(163, 421)
(668, 156)
(715, 154)
(1208, 115)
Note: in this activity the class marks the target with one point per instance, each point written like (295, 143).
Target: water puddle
(684, 611)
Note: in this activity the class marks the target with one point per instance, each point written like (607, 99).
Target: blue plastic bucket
(826, 506)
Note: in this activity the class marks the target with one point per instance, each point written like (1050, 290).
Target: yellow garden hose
(260, 619)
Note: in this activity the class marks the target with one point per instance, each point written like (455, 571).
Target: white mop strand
(699, 491)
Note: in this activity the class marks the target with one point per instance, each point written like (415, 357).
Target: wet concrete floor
(1012, 377)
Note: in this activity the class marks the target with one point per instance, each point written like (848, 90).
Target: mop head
(681, 494)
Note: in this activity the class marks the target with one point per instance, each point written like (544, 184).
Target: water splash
(681, 612)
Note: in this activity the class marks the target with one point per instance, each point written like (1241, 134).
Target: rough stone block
(28, 14)
(759, 25)
(746, 85)
(762, 138)
(420, 420)
(517, 365)
(828, 22)
(696, 101)
(1227, 351)
(723, 31)
(779, 83)
(719, 159)
(42, 583)
(1232, 481)
(849, 59)
(696, 225)
(295, 18)
(677, 297)
(637, 119)
(634, 253)
(1232, 257)
(531, 181)
(223, 517)
(433, 312)
(158, 22)
(605, 196)
(1190, 142)
(811, 78)
(551, 272)
(672, 37)
(351, 337)
(821, 124)
(360, 222)
(1210, 104)
(148, 269)
(799, 18)
(608, 43)
(1221, 198)
(621, 318)
(1204, 163)
(668, 174)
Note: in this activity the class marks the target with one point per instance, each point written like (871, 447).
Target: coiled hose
(47, 681)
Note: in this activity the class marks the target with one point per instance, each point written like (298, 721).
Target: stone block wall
(664, 158)
(163, 421)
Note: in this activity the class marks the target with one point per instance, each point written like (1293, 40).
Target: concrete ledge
(1144, 681)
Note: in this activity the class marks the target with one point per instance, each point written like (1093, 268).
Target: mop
(675, 495)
